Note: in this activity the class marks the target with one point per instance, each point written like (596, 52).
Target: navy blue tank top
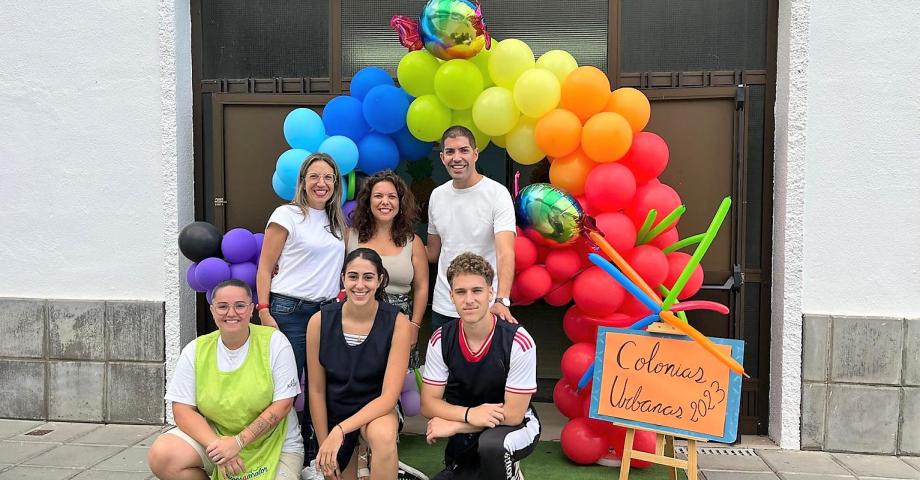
(472, 383)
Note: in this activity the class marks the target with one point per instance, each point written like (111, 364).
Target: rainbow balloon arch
(604, 195)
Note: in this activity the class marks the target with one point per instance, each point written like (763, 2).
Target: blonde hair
(333, 206)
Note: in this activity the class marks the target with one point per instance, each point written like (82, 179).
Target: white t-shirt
(522, 374)
(311, 260)
(284, 374)
(467, 221)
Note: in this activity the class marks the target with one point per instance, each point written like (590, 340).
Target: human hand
(223, 449)
(266, 319)
(502, 312)
(233, 466)
(439, 428)
(487, 415)
(327, 456)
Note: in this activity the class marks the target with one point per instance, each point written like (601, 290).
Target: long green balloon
(646, 225)
(663, 225)
(683, 243)
(710, 235)
(664, 291)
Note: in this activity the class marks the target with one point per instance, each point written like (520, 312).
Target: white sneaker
(520, 473)
(406, 472)
(310, 472)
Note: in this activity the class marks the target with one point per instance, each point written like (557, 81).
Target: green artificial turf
(547, 462)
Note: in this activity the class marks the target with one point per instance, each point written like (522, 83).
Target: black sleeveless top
(354, 375)
(471, 384)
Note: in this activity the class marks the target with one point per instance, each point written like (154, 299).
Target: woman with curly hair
(383, 220)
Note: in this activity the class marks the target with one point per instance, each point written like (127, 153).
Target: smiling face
(384, 201)
(232, 309)
(319, 184)
(471, 296)
(361, 281)
(459, 158)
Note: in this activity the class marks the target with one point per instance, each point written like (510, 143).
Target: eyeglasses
(238, 307)
(314, 177)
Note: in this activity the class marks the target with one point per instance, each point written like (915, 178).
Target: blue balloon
(366, 79)
(410, 147)
(282, 189)
(288, 165)
(377, 152)
(385, 108)
(343, 151)
(303, 128)
(343, 115)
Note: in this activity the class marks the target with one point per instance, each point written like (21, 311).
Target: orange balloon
(606, 137)
(570, 172)
(632, 104)
(558, 133)
(585, 91)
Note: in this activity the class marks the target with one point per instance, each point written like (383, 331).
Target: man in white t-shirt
(470, 213)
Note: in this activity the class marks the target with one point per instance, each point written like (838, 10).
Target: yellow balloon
(560, 62)
(427, 118)
(522, 147)
(481, 60)
(508, 61)
(537, 92)
(500, 141)
(494, 112)
(465, 118)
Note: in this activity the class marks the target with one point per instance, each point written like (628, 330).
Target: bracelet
(239, 443)
(342, 429)
(261, 306)
(416, 325)
(466, 415)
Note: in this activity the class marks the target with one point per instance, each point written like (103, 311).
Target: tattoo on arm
(261, 425)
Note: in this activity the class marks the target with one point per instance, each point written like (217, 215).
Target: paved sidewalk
(82, 451)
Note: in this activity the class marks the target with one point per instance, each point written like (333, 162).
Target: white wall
(82, 186)
(862, 194)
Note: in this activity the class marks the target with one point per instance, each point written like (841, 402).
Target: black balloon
(199, 240)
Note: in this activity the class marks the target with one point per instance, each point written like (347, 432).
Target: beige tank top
(398, 266)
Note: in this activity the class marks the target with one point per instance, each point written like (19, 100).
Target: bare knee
(170, 457)
(381, 436)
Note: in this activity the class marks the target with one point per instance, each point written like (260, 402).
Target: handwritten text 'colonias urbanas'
(623, 396)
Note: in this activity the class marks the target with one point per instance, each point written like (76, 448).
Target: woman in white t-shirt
(232, 395)
(305, 240)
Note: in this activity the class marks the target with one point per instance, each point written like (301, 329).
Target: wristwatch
(504, 301)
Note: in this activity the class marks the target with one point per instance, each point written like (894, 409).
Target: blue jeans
(292, 314)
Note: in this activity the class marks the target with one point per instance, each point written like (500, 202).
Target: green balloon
(457, 83)
(428, 118)
(416, 72)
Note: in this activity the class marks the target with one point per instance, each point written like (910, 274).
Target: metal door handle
(733, 282)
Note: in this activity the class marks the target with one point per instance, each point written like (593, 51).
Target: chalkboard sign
(666, 383)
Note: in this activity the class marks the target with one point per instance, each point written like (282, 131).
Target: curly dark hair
(469, 262)
(402, 231)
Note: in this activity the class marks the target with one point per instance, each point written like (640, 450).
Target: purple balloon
(190, 278)
(260, 237)
(211, 271)
(348, 209)
(409, 384)
(245, 271)
(210, 296)
(238, 245)
(411, 403)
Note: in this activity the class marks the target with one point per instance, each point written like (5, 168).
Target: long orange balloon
(704, 341)
(623, 265)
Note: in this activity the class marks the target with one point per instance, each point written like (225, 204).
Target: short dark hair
(233, 282)
(469, 262)
(458, 131)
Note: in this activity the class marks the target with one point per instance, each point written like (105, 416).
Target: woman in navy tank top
(357, 355)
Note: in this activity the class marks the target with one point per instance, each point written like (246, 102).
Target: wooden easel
(664, 441)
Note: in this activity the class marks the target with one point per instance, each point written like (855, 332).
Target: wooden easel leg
(627, 453)
(669, 451)
(659, 443)
(691, 459)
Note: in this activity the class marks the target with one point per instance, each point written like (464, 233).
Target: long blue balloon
(636, 326)
(625, 282)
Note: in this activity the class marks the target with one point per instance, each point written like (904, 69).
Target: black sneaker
(406, 472)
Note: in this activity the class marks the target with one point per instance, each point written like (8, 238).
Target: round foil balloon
(550, 212)
(452, 29)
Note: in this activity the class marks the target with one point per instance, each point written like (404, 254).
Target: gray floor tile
(59, 432)
(123, 435)
(103, 475)
(814, 476)
(819, 463)
(129, 460)
(877, 466)
(37, 473)
(151, 438)
(912, 461)
(9, 428)
(16, 452)
(73, 456)
(732, 462)
(728, 475)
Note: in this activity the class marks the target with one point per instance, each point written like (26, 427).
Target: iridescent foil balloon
(550, 212)
(453, 29)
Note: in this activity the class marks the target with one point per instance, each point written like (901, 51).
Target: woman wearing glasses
(305, 240)
(231, 394)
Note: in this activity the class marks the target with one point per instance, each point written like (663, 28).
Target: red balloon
(634, 308)
(616, 320)
(610, 187)
(581, 444)
(525, 253)
(563, 263)
(583, 247)
(577, 327)
(618, 230)
(647, 157)
(596, 293)
(649, 263)
(576, 359)
(519, 298)
(600, 428)
(643, 441)
(567, 399)
(666, 239)
(676, 263)
(534, 281)
(650, 196)
(560, 294)
(543, 251)
(588, 209)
